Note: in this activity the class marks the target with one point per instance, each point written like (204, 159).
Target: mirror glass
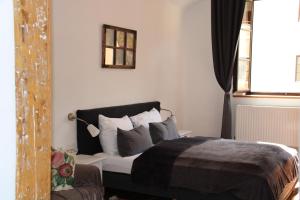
(129, 57)
(119, 57)
(110, 37)
(120, 38)
(130, 41)
(109, 56)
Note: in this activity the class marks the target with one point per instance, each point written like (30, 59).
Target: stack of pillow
(128, 136)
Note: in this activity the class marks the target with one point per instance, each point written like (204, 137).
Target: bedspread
(250, 171)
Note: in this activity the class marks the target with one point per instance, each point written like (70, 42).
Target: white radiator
(268, 124)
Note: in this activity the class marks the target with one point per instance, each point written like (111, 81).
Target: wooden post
(33, 98)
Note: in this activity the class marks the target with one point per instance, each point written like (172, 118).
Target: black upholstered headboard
(86, 144)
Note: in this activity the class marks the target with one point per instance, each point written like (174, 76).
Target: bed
(117, 170)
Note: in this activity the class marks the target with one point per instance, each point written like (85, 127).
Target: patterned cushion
(62, 169)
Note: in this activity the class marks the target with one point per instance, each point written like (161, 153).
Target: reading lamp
(93, 130)
(172, 116)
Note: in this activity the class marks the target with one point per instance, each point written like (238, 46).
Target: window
(118, 47)
(268, 48)
(298, 68)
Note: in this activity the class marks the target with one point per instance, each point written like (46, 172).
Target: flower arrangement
(62, 169)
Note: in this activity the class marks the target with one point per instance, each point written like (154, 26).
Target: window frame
(249, 93)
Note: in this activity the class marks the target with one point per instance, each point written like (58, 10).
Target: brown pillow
(134, 141)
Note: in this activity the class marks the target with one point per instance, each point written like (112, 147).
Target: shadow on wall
(202, 96)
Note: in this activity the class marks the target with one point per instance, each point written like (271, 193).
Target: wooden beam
(33, 98)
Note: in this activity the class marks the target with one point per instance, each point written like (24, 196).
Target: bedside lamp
(172, 116)
(93, 130)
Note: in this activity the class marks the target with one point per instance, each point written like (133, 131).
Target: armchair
(87, 186)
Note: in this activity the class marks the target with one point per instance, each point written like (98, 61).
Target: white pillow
(108, 132)
(144, 118)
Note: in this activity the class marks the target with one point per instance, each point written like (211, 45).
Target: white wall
(202, 96)
(78, 80)
(7, 102)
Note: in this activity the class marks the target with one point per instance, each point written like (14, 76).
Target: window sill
(267, 95)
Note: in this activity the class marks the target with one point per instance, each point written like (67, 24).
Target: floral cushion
(62, 169)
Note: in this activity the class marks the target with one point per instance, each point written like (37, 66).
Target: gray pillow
(133, 141)
(165, 130)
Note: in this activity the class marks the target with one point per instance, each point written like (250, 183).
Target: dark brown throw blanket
(249, 171)
(87, 186)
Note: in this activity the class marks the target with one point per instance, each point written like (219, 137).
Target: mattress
(118, 164)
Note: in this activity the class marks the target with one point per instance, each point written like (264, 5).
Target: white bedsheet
(118, 164)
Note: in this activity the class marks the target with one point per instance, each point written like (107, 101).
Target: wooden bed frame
(111, 180)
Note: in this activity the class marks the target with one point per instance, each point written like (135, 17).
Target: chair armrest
(87, 175)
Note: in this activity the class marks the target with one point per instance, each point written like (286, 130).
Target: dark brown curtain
(226, 20)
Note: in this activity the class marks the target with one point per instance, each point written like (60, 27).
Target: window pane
(245, 43)
(130, 40)
(110, 37)
(119, 57)
(109, 56)
(248, 13)
(275, 44)
(129, 57)
(120, 38)
(243, 75)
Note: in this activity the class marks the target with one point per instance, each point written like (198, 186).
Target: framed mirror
(118, 47)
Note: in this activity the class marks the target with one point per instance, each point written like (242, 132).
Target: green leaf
(69, 158)
(70, 180)
(56, 177)
(60, 180)
(66, 156)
